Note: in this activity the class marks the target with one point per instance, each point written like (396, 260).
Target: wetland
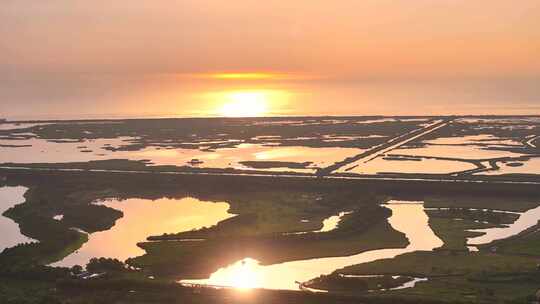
(365, 209)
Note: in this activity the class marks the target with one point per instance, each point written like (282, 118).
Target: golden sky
(63, 56)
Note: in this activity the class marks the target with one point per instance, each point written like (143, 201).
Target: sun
(244, 104)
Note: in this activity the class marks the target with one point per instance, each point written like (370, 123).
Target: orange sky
(63, 56)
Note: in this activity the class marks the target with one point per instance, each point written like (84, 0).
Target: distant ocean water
(464, 97)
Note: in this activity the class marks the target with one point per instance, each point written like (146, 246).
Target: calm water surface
(530, 166)
(407, 217)
(42, 151)
(424, 165)
(526, 220)
(456, 151)
(143, 218)
(484, 139)
(332, 222)
(10, 232)
(329, 224)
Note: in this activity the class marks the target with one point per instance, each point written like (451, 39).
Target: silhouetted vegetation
(356, 285)
(104, 265)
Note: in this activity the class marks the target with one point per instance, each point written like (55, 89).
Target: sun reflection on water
(407, 217)
(243, 275)
(247, 103)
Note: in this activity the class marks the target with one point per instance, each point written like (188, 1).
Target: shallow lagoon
(455, 151)
(410, 166)
(480, 139)
(528, 166)
(42, 151)
(143, 218)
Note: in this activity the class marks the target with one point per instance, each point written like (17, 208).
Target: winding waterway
(526, 220)
(10, 232)
(248, 273)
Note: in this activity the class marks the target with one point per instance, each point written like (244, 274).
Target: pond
(529, 165)
(408, 165)
(480, 139)
(143, 218)
(456, 151)
(329, 224)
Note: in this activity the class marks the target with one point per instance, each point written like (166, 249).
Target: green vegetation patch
(485, 216)
(277, 212)
(427, 264)
(352, 285)
(454, 233)
(459, 277)
(483, 202)
(199, 259)
(525, 243)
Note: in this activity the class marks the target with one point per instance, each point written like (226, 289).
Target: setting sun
(245, 104)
